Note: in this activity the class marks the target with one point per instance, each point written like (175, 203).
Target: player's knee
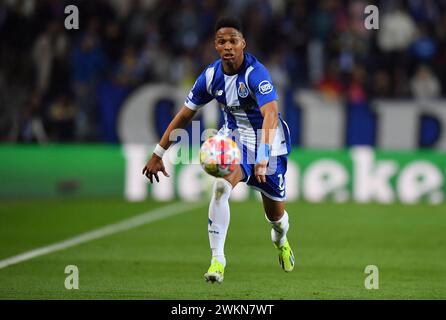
(274, 210)
(274, 215)
(222, 189)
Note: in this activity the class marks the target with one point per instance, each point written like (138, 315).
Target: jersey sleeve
(198, 95)
(261, 85)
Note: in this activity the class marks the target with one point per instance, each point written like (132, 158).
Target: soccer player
(244, 90)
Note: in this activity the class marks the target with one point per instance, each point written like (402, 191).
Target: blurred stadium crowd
(53, 82)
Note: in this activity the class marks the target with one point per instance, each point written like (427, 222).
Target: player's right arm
(155, 163)
(197, 98)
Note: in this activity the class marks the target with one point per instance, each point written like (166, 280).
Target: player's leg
(278, 219)
(273, 195)
(218, 223)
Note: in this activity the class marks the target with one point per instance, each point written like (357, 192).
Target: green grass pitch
(166, 259)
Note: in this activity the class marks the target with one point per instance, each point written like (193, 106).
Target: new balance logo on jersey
(265, 87)
(219, 93)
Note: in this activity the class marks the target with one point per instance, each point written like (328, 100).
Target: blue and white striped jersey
(241, 96)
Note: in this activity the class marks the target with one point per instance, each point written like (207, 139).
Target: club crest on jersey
(242, 90)
(265, 87)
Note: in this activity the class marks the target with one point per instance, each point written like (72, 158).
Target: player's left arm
(270, 113)
(261, 85)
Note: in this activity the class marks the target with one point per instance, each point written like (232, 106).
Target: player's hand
(260, 171)
(153, 166)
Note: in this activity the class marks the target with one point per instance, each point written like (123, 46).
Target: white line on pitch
(124, 225)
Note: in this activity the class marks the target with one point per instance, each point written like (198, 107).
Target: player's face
(230, 44)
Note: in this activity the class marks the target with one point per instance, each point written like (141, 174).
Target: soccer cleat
(286, 256)
(215, 272)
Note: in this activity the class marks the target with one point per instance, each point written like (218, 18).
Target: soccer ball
(219, 156)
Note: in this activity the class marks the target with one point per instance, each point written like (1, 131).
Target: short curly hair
(228, 22)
